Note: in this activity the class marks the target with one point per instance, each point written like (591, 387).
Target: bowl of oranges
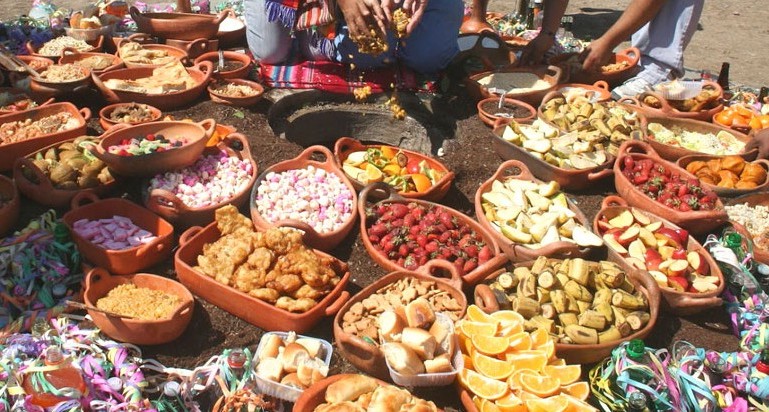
(742, 118)
(414, 175)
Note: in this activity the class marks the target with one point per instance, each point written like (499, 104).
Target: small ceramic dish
(44, 87)
(70, 55)
(344, 146)
(324, 241)
(194, 48)
(219, 96)
(490, 112)
(90, 35)
(551, 74)
(167, 205)
(96, 46)
(231, 58)
(598, 91)
(252, 310)
(105, 114)
(679, 303)
(674, 152)
(99, 282)
(196, 135)
(626, 62)
(724, 191)
(760, 253)
(124, 261)
(171, 52)
(181, 26)
(19, 95)
(9, 209)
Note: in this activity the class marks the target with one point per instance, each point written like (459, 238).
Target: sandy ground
(730, 30)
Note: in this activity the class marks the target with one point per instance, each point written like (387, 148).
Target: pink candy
(116, 233)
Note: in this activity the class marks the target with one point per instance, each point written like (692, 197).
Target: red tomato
(414, 166)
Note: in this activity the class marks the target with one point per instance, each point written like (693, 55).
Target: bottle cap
(733, 240)
(53, 355)
(171, 389)
(636, 349)
(115, 383)
(637, 400)
(236, 359)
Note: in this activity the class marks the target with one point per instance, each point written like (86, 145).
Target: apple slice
(710, 279)
(679, 254)
(624, 219)
(647, 237)
(636, 263)
(666, 252)
(653, 226)
(660, 278)
(604, 225)
(629, 235)
(665, 265)
(653, 259)
(584, 237)
(671, 235)
(678, 284)
(640, 217)
(678, 267)
(703, 287)
(612, 243)
(698, 263)
(637, 250)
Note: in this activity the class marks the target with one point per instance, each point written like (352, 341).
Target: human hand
(596, 55)
(415, 9)
(760, 141)
(534, 51)
(363, 15)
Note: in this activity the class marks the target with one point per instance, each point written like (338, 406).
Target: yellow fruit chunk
(491, 367)
(510, 403)
(489, 406)
(388, 152)
(554, 404)
(490, 345)
(508, 316)
(548, 348)
(567, 374)
(557, 362)
(542, 386)
(421, 182)
(468, 362)
(539, 337)
(520, 341)
(576, 405)
(478, 402)
(476, 314)
(579, 390)
(528, 359)
(373, 173)
(392, 169)
(470, 328)
(514, 381)
(482, 386)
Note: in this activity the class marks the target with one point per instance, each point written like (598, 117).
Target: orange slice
(421, 182)
(520, 341)
(475, 314)
(489, 406)
(557, 362)
(528, 359)
(388, 152)
(490, 345)
(482, 386)
(567, 374)
(510, 403)
(576, 405)
(468, 361)
(507, 316)
(548, 348)
(373, 173)
(392, 169)
(478, 402)
(579, 390)
(554, 404)
(491, 367)
(542, 386)
(470, 328)
(514, 381)
(539, 337)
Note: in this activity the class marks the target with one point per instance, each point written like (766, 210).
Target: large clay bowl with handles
(181, 26)
(175, 53)
(726, 191)
(673, 153)
(96, 46)
(16, 94)
(667, 110)
(70, 55)
(631, 56)
(695, 221)
(760, 253)
(679, 303)
(315, 395)
(598, 91)
(551, 74)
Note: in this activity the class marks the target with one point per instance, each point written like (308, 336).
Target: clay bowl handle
(601, 85)
(455, 278)
(201, 44)
(146, 248)
(345, 145)
(31, 49)
(209, 125)
(109, 94)
(188, 234)
(666, 107)
(82, 198)
(306, 155)
(85, 112)
(336, 305)
(386, 193)
(485, 299)
(595, 176)
(632, 101)
(612, 200)
(99, 44)
(183, 308)
(554, 73)
(501, 122)
(636, 146)
(237, 138)
(136, 14)
(42, 180)
(223, 15)
(710, 84)
(504, 171)
(632, 53)
(94, 276)
(70, 50)
(207, 67)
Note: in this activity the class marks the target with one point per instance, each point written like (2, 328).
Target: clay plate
(181, 26)
(490, 118)
(236, 101)
(673, 153)
(99, 282)
(20, 92)
(9, 213)
(550, 74)
(106, 122)
(254, 311)
(599, 91)
(631, 56)
(679, 303)
(175, 52)
(239, 73)
(724, 191)
(73, 56)
(346, 145)
(754, 199)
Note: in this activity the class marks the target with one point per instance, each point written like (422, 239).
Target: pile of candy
(145, 145)
(115, 233)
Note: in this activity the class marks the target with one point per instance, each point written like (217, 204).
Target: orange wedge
(554, 404)
(576, 405)
(548, 348)
(468, 361)
(490, 345)
(475, 314)
(373, 173)
(567, 374)
(491, 367)
(579, 390)
(507, 316)
(542, 386)
(470, 328)
(478, 401)
(392, 169)
(510, 403)
(520, 341)
(421, 182)
(539, 337)
(482, 386)
(489, 406)
(528, 359)
(557, 362)
(514, 381)
(388, 152)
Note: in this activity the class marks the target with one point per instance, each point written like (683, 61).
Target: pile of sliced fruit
(508, 369)
(534, 214)
(392, 166)
(662, 251)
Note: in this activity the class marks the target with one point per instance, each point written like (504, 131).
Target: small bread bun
(340, 407)
(402, 359)
(390, 326)
(311, 371)
(271, 348)
(292, 356)
(420, 314)
(442, 331)
(292, 379)
(313, 346)
(270, 369)
(350, 388)
(440, 364)
(420, 341)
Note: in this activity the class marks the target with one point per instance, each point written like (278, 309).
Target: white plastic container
(89, 34)
(276, 389)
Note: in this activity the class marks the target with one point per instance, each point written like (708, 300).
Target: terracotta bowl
(197, 135)
(90, 35)
(175, 52)
(753, 200)
(590, 353)
(669, 111)
(236, 101)
(521, 253)
(346, 145)
(232, 32)
(679, 303)
(141, 38)
(220, 132)
(599, 91)
(20, 94)
(43, 192)
(73, 56)
(168, 101)
(369, 358)
(568, 179)
(723, 191)
(99, 282)
(390, 196)
(489, 113)
(124, 261)
(33, 50)
(322, 241)
(169, 206)
(673, 153)
(696, 222)
(239, 73)
(12, 151)
(9, 212)
(194, 48)
(631, 56)
(46, 88)
(550, 74)
(315, 395)
(182, 26)
(254, 311)
(106, 111)
(640, 114)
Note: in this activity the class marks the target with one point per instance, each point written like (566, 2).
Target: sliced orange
(466, 345)
(579, 390)
(539, 337)
(567, 374)
(576, 405)
(373, 173)
(491, 367)
(528, 359)
(542, 386)
(514, 381)
(520, 341)
(557, 362)
(510, 403)
(468, 360)
(554, 404)
(470, 328)
(490, 345)
(478, 402)
(392, 169)
(489, 406)
(421, 182)
(507, 316)
(482, 386)
(548, 348)
(476, 314)
(388, 152)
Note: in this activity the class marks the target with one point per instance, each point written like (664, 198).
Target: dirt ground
(473, 160)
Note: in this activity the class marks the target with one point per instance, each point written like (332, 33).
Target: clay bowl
(9, 212)
(254, 311)
(41, 189)
(246, 101)
(755, 199)
(70, 55)
(322, 241)
(167, 101)
(516, 252)
(315, 395)
(723, 191)
(106, 111)
(589, 353)
(170, 51)
(43, 87)
(194, 48)
(141, 38)
(182, 26)
(669, 111)
(385, 192)
(197, 135)
(12, 151)
(16, 94)
(568, 179)
(220, 132)
(370, 358)
(232, 32)
(696, 222)
(598, 91)
(346, 145)
(99, 282)
(673, 153)
(550, 74)
(124, 261)
(167, 205)
(96, 46)
(90, 35)
(641, 117)
(631, 56)
(239, 73)
(489, 111)
(679, 303)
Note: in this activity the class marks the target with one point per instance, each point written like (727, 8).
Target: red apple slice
(678, 267)
(660, 278)
(678, 284)
(624, 219)
(637, 249)
(612, 243)
(666, 252)
(636, 263)
(640, 217)
(629, 235)
(647, 237)
(654, 226)
(653, 259)
(698, 263)
(670, 234)
(679, 254)
(604, 225)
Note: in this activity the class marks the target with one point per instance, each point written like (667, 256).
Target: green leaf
(239, 114)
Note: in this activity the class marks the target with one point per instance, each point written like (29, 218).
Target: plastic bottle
(538, 14)
(763, 362)
(723, 76)
(637, 402)
(236, 360)
(64, 378)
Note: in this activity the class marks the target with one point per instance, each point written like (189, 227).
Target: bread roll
(339, 407)
(420, 314)
(420, 341)
(350, 388)
(440, 364)
(419, 405)
(696, 166)
(313, 346)
(745, 185)
(443, 332)
(292, 379)
(390, 326)
(734, 164)
(271, 348)
(402, 359)
(292, 356)
(388, 398)
(753, 172)
(270, 369)
(311, 371)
